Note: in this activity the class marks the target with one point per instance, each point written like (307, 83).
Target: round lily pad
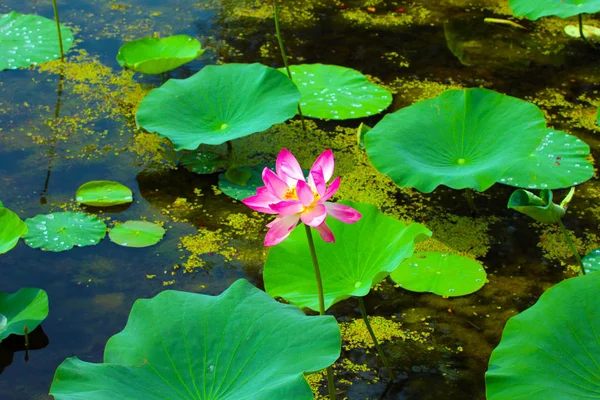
(551, 350)
(334, 92)
(534, 9)
(11, 229)
(241, 192)
(461, 139)
(204, 162)
(560, 161)
(27, 39)
(219, 103)
(152, 55)
(63, 230)
(26, 308)
(103, 194)
(441, 273)
(591, 262)
(136, 234)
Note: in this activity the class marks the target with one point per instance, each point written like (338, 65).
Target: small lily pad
(441, 273)
(64, 230)
(136, 234)
(27, 39)
(103, 194)
(11, 229)
(241, 192)
(334, 92)
(204, 162)
(591, 262)
(26, 308)
(152, 55)
(560, 161)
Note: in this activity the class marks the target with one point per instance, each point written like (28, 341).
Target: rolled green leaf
(542, 209)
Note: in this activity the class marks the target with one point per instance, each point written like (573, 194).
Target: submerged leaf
(103, 194)
(542, 209)
(26, 308)
(136, 234)
(241, 192)
(11, 229)
(238, 176)
(64, 230)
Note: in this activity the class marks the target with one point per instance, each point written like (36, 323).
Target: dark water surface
(416, 47)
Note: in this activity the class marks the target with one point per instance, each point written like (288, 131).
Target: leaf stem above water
(571, 245)
(60, 41)
(384, 359)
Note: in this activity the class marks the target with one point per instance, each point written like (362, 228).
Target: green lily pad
(241, 192)
(534, 9)
(239, 345)
(440, 273)
(461, 139)
(364, 253)
(26, 308)
(591, 262)
(152, 55)
(11, 229)
(27, 39)
(334, 92)
(103, 194)
(219, 103)
(204, 162)
(542, 209)
(558, 162)
(136, 234)
(551, 350)
(63, 230)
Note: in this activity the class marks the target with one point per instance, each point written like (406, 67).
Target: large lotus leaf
(63, 230)
(219, 103)
(136, 234)
(26, 308)
(551, 350)
(542, 209)
(152, 55)
(461, 139)
(334, 92)
(103, 194)
(440, 273)
(560, 161)
(27, 39)
(239, 345)
(591, 262)
(364, 253)
(11, 229)
(534, 9)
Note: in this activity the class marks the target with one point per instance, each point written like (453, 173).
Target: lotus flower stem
(26, 334)
(470, 199)
(284, 56)
(313, 253)
(571, 245)
(384, 359)
(60, 41)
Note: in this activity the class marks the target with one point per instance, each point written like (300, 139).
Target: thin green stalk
(26, 333)
(384, 359)
(470, 199)
(571, 245)
(284, 56)
(60, 41)
(581, 32)
(313, 254)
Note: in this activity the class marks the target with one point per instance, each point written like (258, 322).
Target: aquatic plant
(550, 350)
(11, 229)
(591, 261)
(239, 345)
(153, 55)
(63, 230)
(204, 162)
(241, 191)
(27, 39)
(136, 234)
(244, 99)
(103, 194)
(444, 274)
(22, 312)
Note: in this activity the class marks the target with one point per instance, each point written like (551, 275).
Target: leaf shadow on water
(16, 343)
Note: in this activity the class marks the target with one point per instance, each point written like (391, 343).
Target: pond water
(60, 128)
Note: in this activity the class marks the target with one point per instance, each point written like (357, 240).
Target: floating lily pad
(204, 162)
(551, 350)
(364, 253)
(334, 92)
(441, 273)
(461, 139)
(11, 229)
(558, 162)
(136, 234)
(103, 194)
(591, 262)
(219, 103)
(542, 209)
(27, 39)
(63, 230)
(241, 192)
(152, 55)
(26, 308)
(239, 345)
(534, 9)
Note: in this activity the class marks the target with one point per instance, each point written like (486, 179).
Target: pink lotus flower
(287, 194)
